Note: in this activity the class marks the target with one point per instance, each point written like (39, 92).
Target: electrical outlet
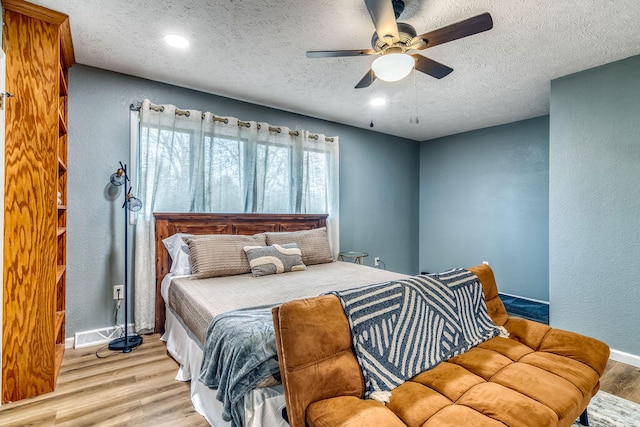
(376, 261)
(118, 292)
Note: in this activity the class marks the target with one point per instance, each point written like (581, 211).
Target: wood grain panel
(67, 54)
(62, 107)
(39, 13)
(32, 47)
(168, 224)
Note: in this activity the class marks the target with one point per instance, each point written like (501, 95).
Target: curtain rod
(187, 113)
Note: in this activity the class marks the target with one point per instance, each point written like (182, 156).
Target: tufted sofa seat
(539, 376)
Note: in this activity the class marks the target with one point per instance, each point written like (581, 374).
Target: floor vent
(99, 336)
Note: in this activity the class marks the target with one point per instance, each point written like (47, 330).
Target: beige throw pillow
(314, 244)
(217, 255)
(275, 259)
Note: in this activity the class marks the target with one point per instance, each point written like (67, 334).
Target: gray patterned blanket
(405, 327)
(239, 353)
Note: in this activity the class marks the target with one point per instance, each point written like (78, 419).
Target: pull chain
(370, 107)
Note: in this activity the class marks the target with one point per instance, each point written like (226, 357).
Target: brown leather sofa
(539, 376)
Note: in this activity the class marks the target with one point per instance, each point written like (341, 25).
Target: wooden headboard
(168, 224)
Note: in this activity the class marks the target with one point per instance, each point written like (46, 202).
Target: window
(189, 161)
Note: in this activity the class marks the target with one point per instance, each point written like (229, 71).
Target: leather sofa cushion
(457, 416)
(349, 411)
(449, 380)
(545, 387)
(501, 382)
(571, 370)
(414, 403)
(508, 406)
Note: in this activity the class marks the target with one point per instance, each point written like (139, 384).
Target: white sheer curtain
(190, 161)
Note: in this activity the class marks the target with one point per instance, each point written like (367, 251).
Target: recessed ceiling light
(376, 102)
(176, 41)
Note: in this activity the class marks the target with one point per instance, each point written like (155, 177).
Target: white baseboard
(628, 358)
(68, 343)
(97, 336)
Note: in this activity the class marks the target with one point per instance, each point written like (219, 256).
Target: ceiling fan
(393, 40)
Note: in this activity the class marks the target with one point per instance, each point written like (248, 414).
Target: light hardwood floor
(139, 389)
(136, 389)
(621, 380)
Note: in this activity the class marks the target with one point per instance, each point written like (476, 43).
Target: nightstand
(356, 256)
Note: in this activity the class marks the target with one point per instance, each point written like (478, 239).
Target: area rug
(607, 410)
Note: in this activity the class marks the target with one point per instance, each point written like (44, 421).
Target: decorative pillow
(179, 253)
(314, 244)
(217, 255)
(274, 259)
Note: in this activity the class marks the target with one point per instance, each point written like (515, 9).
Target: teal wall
(379, 177)
(484, 196)
(594, 220)
(553, 203)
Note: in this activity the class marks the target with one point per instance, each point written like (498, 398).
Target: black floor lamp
(127, 342)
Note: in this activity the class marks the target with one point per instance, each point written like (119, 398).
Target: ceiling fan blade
(366, 80)
(431, 67)
(384, 19)
(339, 53)
(456, 31)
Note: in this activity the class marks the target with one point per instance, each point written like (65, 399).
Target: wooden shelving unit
(39, 51)
(61, 258)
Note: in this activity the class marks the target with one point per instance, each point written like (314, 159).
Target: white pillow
(179, 252)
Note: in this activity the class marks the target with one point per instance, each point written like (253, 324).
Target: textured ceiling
(254, 50)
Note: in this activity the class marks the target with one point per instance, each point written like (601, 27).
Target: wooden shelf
(62, 126)
(62, 207)
(61, 231)
(60, 269)
(61, 166)
(58, 364)
(59, 321)
(64, 90)
(59, 354)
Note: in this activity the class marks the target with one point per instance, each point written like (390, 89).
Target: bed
(185, 307)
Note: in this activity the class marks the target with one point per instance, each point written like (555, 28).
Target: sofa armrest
(541, 337)
(590, 351)
(317, 361)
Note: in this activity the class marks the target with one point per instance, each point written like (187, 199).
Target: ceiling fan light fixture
(393, 66)
(176, 41)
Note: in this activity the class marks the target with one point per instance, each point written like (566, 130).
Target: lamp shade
(133, 203)
(118, 177)
(393, 66)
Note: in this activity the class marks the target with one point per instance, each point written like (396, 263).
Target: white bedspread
(197, 302)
